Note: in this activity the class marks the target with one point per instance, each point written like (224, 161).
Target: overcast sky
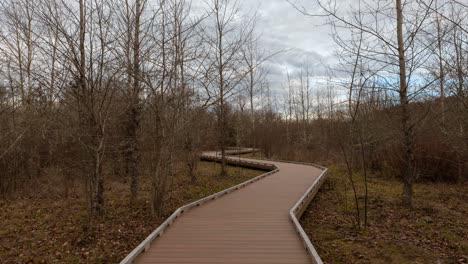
(282, 27)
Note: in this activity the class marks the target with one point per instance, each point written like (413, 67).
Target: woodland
(106, 106)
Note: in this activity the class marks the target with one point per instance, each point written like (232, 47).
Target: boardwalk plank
(250, 225)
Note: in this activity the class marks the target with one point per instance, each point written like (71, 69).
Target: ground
(435, 230)
(49, 228)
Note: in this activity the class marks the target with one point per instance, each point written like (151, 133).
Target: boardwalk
(249, 225)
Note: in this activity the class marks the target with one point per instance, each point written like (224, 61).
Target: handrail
(292, 162)
(298, 209)
(143, 246)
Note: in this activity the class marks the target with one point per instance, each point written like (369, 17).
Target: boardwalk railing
(295, 213)
(240, 162)
(298, 209)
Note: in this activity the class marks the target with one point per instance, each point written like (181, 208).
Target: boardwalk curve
(247, 223)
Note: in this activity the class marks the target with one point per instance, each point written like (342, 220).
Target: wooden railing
(294, 214)
(298, 209)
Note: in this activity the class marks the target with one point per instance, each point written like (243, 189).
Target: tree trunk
(407, 169)
(131, 154)
(98, 181)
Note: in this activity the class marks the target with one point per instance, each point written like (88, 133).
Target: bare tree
(253, 58)
(130, 18)
(172, 69)
(225, 70)
(86, 50)
(396, 49)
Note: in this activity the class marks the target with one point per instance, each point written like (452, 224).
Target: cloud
(305, 40)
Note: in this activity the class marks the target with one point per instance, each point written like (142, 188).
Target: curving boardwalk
(249, 225)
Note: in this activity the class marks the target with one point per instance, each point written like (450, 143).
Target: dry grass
(49, 229)
(434, 231)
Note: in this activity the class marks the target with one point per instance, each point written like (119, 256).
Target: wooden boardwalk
(249, 225)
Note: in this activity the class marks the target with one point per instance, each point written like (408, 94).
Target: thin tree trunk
(408, 169)
(441, 68)
(134, 112)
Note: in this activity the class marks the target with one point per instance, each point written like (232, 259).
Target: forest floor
(435, 230)
(44, 227)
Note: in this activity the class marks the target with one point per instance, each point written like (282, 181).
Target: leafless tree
(86, 49)
(225, 37)
(130, 20)
(395, 49)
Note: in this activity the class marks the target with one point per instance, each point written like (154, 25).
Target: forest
(106, 107)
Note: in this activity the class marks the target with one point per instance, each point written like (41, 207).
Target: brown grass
(434, 231)
(49, 228)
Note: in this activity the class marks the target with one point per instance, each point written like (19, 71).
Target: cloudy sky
(306, 39)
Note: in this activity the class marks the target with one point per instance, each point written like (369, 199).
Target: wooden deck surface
(250, 225)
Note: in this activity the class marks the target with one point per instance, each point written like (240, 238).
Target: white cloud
(306, 39)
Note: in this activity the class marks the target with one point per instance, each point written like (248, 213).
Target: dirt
(435, 230)
(49, 229)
